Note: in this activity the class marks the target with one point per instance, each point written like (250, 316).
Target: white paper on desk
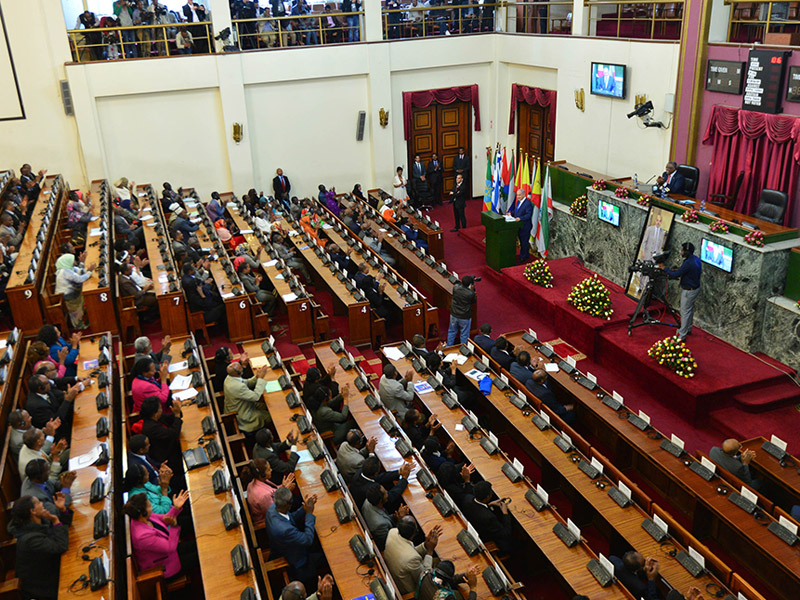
(551, 367)
(231, 205)
(455, 357)
(3, 343)
(151, 224)
(163, 278)
(147, 218)
(393, 353)
(459, 427)
(258, 362)
(289, 297)
(195, 220)
(181, 382)
(85, 460)
(305, 456)
(94, 218)
(147, 209)
(509, 218)
(226, 295)
(279, 276)
(293, 233)
(422, 387)
(178, 366)
(270, 263)
(327, 226)
(475, 374)
(185, 395)
(190, 204)
(382, 229)
(245, 231)
(95, 231)
(142, 194)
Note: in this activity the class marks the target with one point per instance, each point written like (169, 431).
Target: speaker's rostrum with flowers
(591, 296)
(539, 273)
(673, 354)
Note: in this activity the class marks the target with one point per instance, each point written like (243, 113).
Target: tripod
(647, 296)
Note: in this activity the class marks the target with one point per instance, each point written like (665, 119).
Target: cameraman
(689, 274)
(464, 297)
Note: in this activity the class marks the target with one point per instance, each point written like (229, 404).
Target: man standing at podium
(523, 212)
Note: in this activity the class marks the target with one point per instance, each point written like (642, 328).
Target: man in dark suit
(435, 179)
(281, 186)
(461, 164)
(291, 535)
(482, 512)
(523, 212)
(483, 340)
(538, 386)
(419, 182)
(521, 369)
(638, 575)
(458, 197)
(671, 181)
(501, 353)
(370, 473)
(200, 297)
(45, 403)
(138, 449)
(731, 458)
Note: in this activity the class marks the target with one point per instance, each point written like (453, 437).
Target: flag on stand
(487, 192)
(526, 177)
(504, 190)
(543, 229)
(498, 184)
(536, 201)
(512, 186)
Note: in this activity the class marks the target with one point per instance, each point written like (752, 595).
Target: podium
(501, 240)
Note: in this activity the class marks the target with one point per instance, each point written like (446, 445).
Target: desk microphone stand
(643, 307)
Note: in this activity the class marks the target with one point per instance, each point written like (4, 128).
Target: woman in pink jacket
(145, 384)
(155, 538)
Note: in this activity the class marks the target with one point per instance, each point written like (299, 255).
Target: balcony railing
(143, 41)
(650, 19)
(752, 21)
(299, 30)
(445, 19)
(539, 17)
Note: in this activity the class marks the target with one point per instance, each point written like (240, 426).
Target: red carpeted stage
(725, 375)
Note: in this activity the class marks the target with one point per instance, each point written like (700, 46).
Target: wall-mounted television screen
(609, 80)
(717, 255)
(608, 212)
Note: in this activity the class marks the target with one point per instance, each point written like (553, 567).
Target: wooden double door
(443, 129)
(533, 131)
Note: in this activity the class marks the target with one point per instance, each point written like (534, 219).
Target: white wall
(166, 136)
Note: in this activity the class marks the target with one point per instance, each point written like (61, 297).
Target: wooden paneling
(533, 130)
(442, 129)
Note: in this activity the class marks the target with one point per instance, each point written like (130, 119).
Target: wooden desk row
(415, 496)
(711, 514)
(623, 524)
(783, 475)
(351, 579)
(305, 316)
(408, 301)
(229, 286)
(26, 278)
(214, 542)
(85, 440)
(166, 275)
(430, 230)
(419, 267)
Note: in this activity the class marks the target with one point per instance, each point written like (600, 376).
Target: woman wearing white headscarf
(69, 282)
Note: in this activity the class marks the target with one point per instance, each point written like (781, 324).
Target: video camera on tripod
(650, 268)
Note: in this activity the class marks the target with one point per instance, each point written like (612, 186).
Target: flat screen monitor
(608, 80)
(608, 212)
(717, 255)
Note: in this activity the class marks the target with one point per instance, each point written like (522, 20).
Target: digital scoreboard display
(763, 86)
(725, 76)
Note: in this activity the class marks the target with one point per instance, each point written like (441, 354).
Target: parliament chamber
(370, 301)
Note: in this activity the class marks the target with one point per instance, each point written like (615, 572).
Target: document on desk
(327, 226)
(258, 362)
(508, 218)
(146, 218)
(393, 353)
(279, 276)
(245, 231)
(85, 460)
(90, 365)
(151, 224)
(273, 386)
(181, 382)
(94, 219)
(475, 374)
(551, 367)
(289, 297)
(178, 366)
(455, 356)
(95, 231)
(227, 295)
(305, 456)
(423, 387)
(185, 395)
(270, 263)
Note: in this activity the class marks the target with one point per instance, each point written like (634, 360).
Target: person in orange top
(387, 212)
(311, 222)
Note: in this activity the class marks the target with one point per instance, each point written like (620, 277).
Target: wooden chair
(737, 584)
(737, 484)
(197, 322)
(432, 322)
(377, 330)
(9, 584)
(275, 568)
(259, 317)
(127, 314)
(322, 326)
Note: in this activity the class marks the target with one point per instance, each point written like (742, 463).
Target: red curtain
(765, 147)
(531, 95)
(467, 93)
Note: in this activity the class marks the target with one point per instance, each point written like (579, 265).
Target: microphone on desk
(649, 180)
